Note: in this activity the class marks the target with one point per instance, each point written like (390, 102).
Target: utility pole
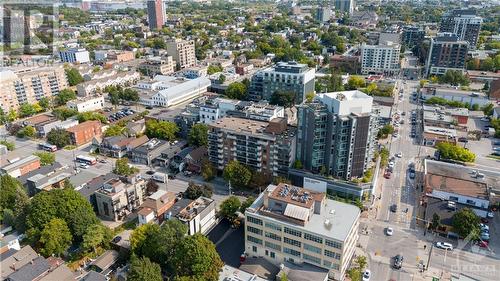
(429, 259)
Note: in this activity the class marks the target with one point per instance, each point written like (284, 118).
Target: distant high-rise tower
(447, 52)
(346, 6)
(156, 14)
(464, 23)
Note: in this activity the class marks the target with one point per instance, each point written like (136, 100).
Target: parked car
(391, 164)
(84, 166)
(462, 139)
(398, 262)
(412, 175)
(389, 231)
(444, 246)
(366, 275)
(394, 208)
(482, 244)
(399, 154)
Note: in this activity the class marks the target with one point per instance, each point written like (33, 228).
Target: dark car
(149, 107)
(117, 239)
(398, 262)
(150, 172)
(462, 139)
(394, 208)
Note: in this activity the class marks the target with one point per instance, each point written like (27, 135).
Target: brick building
(85, 132)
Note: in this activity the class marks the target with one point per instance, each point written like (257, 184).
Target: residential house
(119, 146)
(85, 132)
(198, 215)
(148, 152)
(194, 159)
(154, 208)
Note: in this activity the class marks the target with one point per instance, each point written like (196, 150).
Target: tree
(371, 88)
(21, 204)
(55, 238)
(26, 110)
(214, 68)
(455, 78)
(198, 135)
(63, 113)
(355, 82)
(237, 174)
(436, 221)
(44, 103)
(236, 90)
(385, 131)
(465, 222)
(310, 97)
(9, 187)
(8, 217)
(194, 191)
(197, 259)
(208, 170)
(10, 145)
(282, 98)
(229, 207)
(59, 137)
(283, 277)
(46, 158)
(142, 269)
(455, 152)
(26, 132)
(122, 168)
(94, 237)
(297, 164)
(37, 107)
(64, 96)
(12, 115)
(247, 203)
(74, 77)
(151, 186)
(90, 115)
(161, 129)
(114, 130)
(488, 109)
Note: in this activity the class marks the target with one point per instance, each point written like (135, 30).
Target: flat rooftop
(240, 125)
(335, 220)
(459, 179)
(295, 195)
(345, 95)
(440, 131)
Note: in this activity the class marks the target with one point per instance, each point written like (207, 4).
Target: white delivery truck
(160, 177)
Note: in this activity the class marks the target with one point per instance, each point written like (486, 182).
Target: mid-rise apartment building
(463, 23)
(86, 104)
(413, 36)
(291, 224)
(158, 66)
(380, 59)
(346, 6)
(182, 51)
(267, 147)
(284, 76)
(30, 85)
(446, 52)
(336, 134)
(118, 197)
(74, 55)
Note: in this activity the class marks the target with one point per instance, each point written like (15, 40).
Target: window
(312, 248)
(292, 242)
(335, 266)
(291, 252)
(254, 240)
(273, 255)
(453, 198)
(273, 246)
(311, 258)
(327, 263)
(254, 230)
(254, 249)
(273, 236)
(471, 202)
(333, 244)
(267, 253)
(254, 220)
(293, 232)
(313, 238)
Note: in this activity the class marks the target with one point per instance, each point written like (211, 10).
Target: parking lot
(229, 242)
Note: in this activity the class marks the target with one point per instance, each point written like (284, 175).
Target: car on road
(84, 166)
(387, 175)
(116, 239)
(150, 172)
(482, 244)
(103, 161)
(412, 174)
(490, 215)
(399, 154)
(484, 227)
(391, 164)
(485, 236)
(398, 261)
(394, 208)
(389, 231)
(485, 119)
(366, 275)
(444, 246)
(463, 139)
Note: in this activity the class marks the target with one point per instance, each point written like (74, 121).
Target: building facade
(156, 14)
(182, 51)
(447, 52)
(87, 104)
(29, 86)
(117, 198)
(346, 6)
(336, 134)
(158, 66)
(380, 59)
(323, 14)
(284, 76)
(85, 132)
(291, 224)
(465, 24)
(413, 36)
(267, 147)
(74, 56)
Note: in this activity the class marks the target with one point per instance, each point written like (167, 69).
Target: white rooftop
(347, 102)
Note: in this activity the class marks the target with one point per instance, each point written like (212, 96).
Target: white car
(391, 164)
(490, 215)
(399, 154)
(389, 231)
(485, 119)
(84, 166)
(366, 275)
(444, 246)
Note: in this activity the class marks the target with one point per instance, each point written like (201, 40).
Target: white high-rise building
(380, 59)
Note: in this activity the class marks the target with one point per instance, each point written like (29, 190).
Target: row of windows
(311, 258)
(312, 248)
(254, 240)
(273, 226)
(273, 236)
(254, 220)
(291, 252)
(254, 230)
(293, 232)
(331, 265)
(292, 242)
(333, 244)
(273, 246)
(332, 254)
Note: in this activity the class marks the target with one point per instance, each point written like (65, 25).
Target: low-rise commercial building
(154, 208)
(267, 147)
(119, 146)
(148, 152)
(291, 224)
(452, 94)
(87, 104)
(435, 135)
(198, 215)
(173, 90)
(85, 132)
(21, 166)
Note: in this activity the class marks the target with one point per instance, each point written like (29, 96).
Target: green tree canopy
(114, 130)
(229, 207)
(64, 96)
(74, 76)
(10, 145)
(55, 238)
(236, 90)
(142, 269)
(455, 78)
(26, 110)
(26, 132)
(9, 187)
(355, 82)
(161, 129)
(196, 190)
(237, 174)
(63, 113)
(208, 171)
(196, 258)
(91, 115)
(122, 168)
(59, 137)
(214, 68)
(44, 102)
(198, 135)
(247, 203)
(46, 158)
(385, 131)
(283, 98)
(455, 152)
(465, 222)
